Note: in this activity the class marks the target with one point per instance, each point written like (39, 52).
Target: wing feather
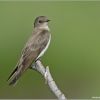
(32, 49)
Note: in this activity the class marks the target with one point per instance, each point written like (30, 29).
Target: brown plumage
(33, 48)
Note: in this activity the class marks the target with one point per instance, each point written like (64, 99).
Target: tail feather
(14, 76)
(14, 79)
(12, 73)
(13, 82)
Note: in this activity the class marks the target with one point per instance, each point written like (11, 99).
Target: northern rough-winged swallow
(34, 48)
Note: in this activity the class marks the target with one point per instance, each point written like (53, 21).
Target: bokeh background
(73, 55)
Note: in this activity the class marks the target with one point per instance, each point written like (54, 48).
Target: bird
(34, 48)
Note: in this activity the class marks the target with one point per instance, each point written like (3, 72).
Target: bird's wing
(32, 49)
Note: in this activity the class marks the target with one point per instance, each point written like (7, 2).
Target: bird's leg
(34, 64)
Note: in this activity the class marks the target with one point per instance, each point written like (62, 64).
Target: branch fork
(45, 72)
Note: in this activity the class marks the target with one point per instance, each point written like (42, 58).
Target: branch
(49, 80)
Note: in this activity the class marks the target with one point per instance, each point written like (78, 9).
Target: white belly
(44, 50)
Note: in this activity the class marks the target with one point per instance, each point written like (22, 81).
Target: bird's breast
(46, 47)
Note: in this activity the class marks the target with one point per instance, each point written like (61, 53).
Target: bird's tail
(14, 76)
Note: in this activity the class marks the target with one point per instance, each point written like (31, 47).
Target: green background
(73, 55)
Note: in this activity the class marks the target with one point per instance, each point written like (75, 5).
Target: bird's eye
(40, 21)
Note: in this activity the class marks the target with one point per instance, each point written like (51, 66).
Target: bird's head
(41, 21)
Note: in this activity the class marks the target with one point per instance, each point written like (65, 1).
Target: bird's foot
(33, 66)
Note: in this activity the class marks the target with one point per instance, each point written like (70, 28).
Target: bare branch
(49, 80)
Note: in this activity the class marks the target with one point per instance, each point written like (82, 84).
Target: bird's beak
(48, 20)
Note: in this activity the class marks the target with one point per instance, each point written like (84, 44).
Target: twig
(49, 80)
